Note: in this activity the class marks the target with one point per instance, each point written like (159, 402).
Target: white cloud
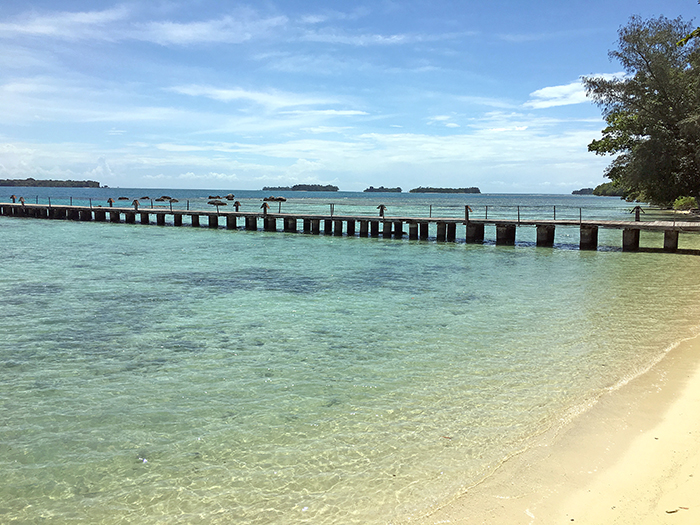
(270, 99)
(65, 25)
(563, 95)
(224, 30)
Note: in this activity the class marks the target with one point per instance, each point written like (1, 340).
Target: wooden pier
(471, 229)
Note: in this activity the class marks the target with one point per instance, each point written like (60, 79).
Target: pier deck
(365, 225)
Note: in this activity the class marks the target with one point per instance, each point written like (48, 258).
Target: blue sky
(229, 95)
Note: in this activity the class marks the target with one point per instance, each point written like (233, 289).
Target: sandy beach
(633, 458)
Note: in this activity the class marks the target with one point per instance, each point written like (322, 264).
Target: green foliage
(609, 189)
(695, 34)
(685, 203)
(653, 113)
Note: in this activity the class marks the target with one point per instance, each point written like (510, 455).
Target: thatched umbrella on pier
(217, 203)
(171, 203)
(381, 209)
(276, 199)
(110, 201)
(136, 204)
(14, 199)
(265, 207)
(237, 205)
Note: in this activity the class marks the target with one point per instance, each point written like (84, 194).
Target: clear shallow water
(189, 375)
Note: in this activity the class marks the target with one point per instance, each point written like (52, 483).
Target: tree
(687, 38)
(653, 112)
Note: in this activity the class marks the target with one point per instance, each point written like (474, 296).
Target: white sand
(634, 458)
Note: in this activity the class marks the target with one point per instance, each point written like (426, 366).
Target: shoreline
(633, 458)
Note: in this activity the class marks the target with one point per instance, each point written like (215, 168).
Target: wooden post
(424, 228)
(160, 219)
(144, 218)
(412, 231)
(545, 235)
(386, 229)
(670, 240)
(505, 234)
(270, 224)
(113, 216)
(307, 225)
(85, 215)
(441, 231)
(290, 224)
(130, 217)
(398, 229)
(327, 226)
(364, 228)
(195, 220)
(231, 223)
(177, 219)
(315, 226)
(251, 222)
(589, 237)
(100, 215)
(374, 228)
(475, 233)
(351, 228)
(451, 231)
(630, 240)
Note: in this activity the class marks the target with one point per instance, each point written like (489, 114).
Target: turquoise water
(182, 375)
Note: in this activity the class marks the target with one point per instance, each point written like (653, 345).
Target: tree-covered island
(48, 183)
(382, 189)
(422, 189)
(302, 187)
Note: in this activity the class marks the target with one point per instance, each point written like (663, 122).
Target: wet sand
(633, 458)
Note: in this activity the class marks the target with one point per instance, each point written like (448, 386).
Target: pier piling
(589, 237)
(671, 240)
(545, 235)
(505, 234)
(630, 240)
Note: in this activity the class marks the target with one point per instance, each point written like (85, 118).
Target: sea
(161, 374)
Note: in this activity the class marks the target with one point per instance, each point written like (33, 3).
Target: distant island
(583, 191)
(48, 183)
(382, 189)
(302, 187)
(421, 189)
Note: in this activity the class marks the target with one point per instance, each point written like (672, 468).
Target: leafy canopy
(653, 112)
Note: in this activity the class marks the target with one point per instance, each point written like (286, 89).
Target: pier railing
(490, 212)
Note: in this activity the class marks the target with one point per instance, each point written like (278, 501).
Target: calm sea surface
(190, 375)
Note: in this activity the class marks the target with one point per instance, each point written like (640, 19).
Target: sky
(231, 95)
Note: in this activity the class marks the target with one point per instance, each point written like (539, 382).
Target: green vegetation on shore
(422, 189)
(302, 187)
(382, 189)
(610, 189)
(48, 183)
(583, 191)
